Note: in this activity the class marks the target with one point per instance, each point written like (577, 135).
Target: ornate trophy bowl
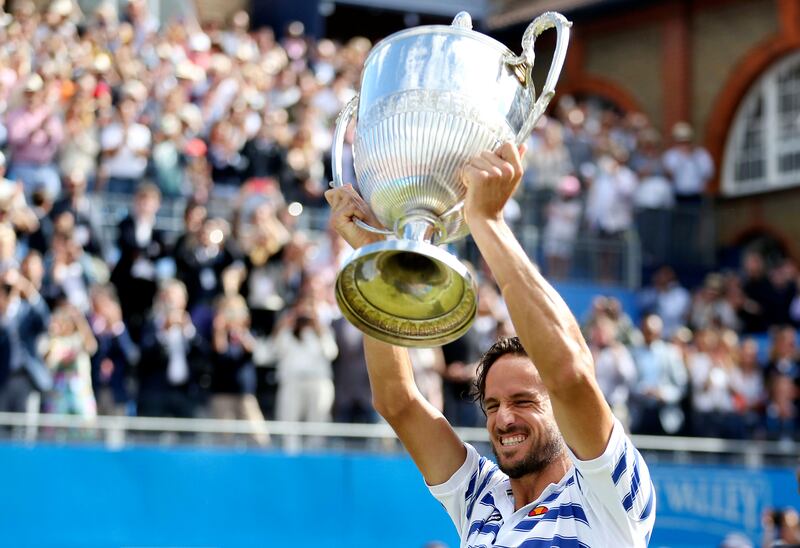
(431, 98)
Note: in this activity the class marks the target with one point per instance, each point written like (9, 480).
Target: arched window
(763, 149)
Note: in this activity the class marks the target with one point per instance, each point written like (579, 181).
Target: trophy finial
(463, 20)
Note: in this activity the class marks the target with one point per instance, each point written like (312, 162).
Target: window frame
(766, 89)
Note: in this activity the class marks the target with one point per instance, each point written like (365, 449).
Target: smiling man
(566, 473)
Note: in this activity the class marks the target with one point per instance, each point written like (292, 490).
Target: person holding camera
(304, 348)
(233, 374)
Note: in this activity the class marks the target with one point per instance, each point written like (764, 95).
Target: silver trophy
(431, 98)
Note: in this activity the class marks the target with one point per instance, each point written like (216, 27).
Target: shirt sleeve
(618, 482)
(460, 493)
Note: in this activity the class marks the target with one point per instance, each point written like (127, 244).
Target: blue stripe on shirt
(480, 489)
(621, 466)
(648, 508)
(557, 541)
(627, 502)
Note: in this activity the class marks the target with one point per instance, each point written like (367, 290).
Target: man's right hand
(347, 206)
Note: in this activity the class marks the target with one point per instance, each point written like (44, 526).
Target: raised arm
(423, 430)
(546, 327)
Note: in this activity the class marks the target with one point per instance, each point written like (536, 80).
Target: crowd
(162, 323)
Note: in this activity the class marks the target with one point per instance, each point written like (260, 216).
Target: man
(567, 474)
(690, 166)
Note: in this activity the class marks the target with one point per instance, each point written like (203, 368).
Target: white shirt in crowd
(711, 385)
(310, 357)
(607, 501)
(127, 162)
(609, 206)
(690, 170)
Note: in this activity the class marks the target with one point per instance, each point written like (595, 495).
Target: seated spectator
(614, 367)
(667, 299)
(758, 291)
(233, 374)
(711, 308)
(747, 384)
(67, 352)
(662, 382)
(711, 371)
(784, 360)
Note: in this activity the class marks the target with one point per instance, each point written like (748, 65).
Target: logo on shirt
(538, 511)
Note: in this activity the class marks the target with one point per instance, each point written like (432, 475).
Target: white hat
(34, 83)
(61, 7)
(682, 132)
(199, 41)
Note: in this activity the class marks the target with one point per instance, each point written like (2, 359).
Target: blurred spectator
(428, 366)
(609, 206)
(781, 527)
(711, 308)
(116, 354)
(758, 291)
(667, 299)
(304, 349)
(172, 357)
(614, 367)
(86, 224)
(747, 384)
(353, 396)
(25, 318)
(561, 229)
(461, 360)
(67, 352)
(69, 269)
(662, 382)
(690, 166)
(204, 262)
(81, 145)
(711, 373)
(13, 205)
(125, 149)
(140, 244)
(547, 163)
(233, 374)
(35, 132)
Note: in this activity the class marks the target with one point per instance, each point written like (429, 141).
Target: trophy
(431, 98)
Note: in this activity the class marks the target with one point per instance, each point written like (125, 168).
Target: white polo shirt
(607, 501)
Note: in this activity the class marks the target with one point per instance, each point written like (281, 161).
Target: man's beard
(540, 456)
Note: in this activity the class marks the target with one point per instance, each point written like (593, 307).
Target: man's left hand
(491, 179)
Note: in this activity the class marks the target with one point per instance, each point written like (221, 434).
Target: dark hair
(506, 345)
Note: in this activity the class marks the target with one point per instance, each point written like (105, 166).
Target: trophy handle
(542, 23)
(342, 122)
